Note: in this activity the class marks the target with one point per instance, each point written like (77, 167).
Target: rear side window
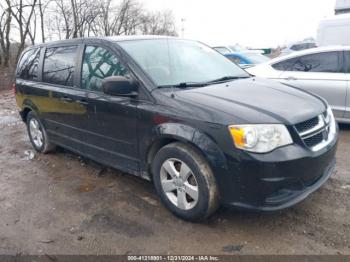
(28, 66)
(59, 65)
(99, 63)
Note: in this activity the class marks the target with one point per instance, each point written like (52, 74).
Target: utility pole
(183, 27)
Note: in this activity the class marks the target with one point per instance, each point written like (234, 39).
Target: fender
(198, 139)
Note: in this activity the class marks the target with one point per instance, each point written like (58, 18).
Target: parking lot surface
(60, 203)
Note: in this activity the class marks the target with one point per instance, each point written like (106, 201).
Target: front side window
(327, 62)
(99, 63)
(28, 66)
(174, 61)
(59, 65)
(323, 62)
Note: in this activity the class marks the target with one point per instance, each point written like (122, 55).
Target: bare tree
(42, 6)
(159, 23)
(73, 17)
(23, 13)
(26, 19)
(79, 18)
(5, 29)
(118, 19)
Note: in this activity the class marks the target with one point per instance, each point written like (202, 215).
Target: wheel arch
(27, 106)
(172, 132)
(24, 113)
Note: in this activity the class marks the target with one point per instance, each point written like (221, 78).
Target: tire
(180, 173)
(38, 135)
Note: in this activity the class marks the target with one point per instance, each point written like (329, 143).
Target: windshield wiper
(226, 78)
(183, 85)
(199, 84)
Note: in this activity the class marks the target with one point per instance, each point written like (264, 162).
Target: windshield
(257, 58)
(222, 50)
(174, 61)
(237, 48)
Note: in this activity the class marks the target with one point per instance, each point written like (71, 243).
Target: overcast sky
(254, 23)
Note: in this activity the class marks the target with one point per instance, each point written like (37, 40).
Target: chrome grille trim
(325, 121)
(319, 127)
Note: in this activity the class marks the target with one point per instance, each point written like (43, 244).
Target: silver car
(324, 71)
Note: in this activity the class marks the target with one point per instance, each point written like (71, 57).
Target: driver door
(111, 121)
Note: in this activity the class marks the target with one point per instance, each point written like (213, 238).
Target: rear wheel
(185, 182)
(37, 134)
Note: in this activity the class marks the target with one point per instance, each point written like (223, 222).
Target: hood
(254, 100)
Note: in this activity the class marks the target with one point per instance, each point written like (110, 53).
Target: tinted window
(59, 65)
(98, 64)
(285, 65)
(347, 61)
(28, 66)
(322, 62)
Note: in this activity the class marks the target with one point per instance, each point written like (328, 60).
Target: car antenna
(172, 95)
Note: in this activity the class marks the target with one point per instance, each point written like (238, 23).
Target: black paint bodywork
(126, 132)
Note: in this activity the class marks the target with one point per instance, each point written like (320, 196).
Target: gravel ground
(61, 203)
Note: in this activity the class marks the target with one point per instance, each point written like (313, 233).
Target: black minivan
(180, 114)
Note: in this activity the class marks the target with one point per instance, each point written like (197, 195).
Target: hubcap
(36, 133)
(179, 184)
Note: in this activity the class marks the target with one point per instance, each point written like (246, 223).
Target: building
(342, 7)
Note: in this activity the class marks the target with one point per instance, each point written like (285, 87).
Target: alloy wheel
(179, 184)
(36, 133)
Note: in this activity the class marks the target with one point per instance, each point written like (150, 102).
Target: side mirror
(119, 86)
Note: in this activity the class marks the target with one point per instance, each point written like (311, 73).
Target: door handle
(66, 99)
(289, 78)
(82, 102)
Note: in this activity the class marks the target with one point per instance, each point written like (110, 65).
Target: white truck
(342, 6)
(334, 30)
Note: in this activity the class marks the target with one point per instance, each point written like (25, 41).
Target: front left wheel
(184, 181)
(37, 134)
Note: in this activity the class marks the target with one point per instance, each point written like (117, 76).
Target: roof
(135, 37)
(108, 38)
(309, 51)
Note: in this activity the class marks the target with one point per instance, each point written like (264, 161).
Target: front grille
(314, 140)
(313, 131)
(306, 125)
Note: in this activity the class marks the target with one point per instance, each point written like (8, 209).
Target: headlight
(331, 120)
(260, 138)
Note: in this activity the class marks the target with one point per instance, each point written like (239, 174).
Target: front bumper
(277, 180)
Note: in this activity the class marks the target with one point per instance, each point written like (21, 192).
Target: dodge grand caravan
(180, 114)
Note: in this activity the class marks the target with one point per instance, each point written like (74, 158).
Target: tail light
(14, 89)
